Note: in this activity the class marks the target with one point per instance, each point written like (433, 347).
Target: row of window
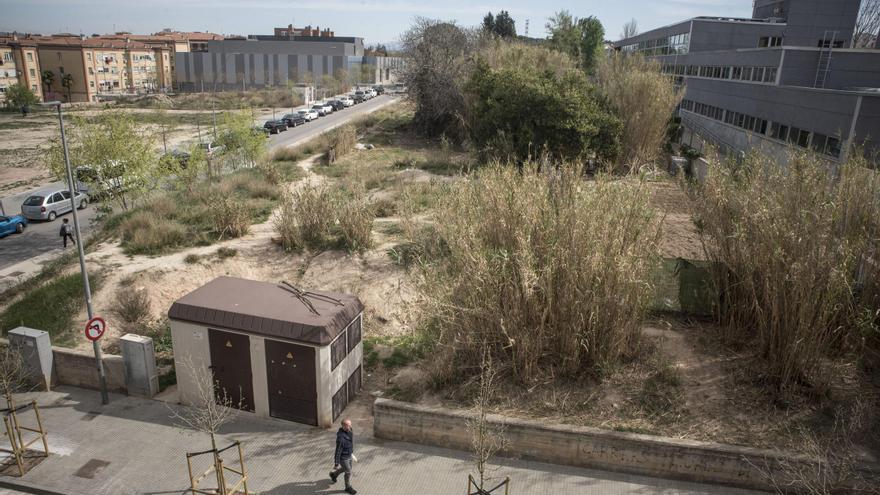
(7, 57)
(820, 143)
(345, 342)
(669, 45)
(736, 73)
(768, 41)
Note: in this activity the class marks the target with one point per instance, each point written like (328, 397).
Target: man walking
(66, 232)
(344, 455)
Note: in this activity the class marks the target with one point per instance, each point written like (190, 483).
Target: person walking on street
(344, 455)
(66, 232)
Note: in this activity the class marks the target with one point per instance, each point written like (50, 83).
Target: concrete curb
(594, 448)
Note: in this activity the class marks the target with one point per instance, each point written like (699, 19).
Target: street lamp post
(105, 399)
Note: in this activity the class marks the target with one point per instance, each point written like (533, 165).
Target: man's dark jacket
(344, 446)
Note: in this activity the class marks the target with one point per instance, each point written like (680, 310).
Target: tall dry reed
(551, 271)
(795, 252)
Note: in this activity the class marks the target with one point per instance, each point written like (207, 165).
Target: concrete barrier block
(36, 352)
(139, 358)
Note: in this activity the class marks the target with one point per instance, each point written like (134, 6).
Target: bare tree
(211, 407)
(486, 439)
(13, 373)
(630, 29)
(437, 65)
(867, 25)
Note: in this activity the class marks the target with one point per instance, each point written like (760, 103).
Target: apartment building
(175, 41)
(19, 64)
(273, 60)
(784, 77)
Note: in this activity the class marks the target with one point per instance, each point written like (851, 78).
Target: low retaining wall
(586, 447)
(79, 369)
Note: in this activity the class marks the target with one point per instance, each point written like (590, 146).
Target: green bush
(51, 307)
(518, 114)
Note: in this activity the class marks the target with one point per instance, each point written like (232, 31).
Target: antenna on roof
(299, 295)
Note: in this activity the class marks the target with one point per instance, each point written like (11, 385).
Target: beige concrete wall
(79, 369)
(588, 447)
(190, 344)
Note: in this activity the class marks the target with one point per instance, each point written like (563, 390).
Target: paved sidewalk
(131, 446)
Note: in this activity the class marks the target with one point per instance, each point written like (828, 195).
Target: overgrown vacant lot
(671, 374)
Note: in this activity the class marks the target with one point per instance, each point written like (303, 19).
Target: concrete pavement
(132, 446)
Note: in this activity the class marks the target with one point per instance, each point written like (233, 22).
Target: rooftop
(268, 309)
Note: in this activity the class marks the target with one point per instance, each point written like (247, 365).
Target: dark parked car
(293, 119)
(180, 158)
(14, 224)
(275, 126)
(336, 104)
(379, 90)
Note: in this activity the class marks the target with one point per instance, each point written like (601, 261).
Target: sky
(377, 21)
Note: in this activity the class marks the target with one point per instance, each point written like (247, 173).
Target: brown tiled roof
(267, 309)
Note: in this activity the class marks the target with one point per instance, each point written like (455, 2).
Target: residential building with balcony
(19, 64)
(785, 77)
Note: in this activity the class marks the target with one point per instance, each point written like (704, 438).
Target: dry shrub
(550, 271)
(132, 304)
(644, 99)
(320, 217)
(230, 216)
(340, 142)
(796, 258)
(271, 171)
(355, 216)
(145, 233)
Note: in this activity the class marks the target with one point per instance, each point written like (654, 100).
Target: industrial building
(787, 76)
(279, 59)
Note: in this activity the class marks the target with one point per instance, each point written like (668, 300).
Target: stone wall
(78, 368)
(587, 447)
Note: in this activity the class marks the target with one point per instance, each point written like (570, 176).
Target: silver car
(47, 206)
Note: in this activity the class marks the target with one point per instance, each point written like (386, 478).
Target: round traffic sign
(95, 328)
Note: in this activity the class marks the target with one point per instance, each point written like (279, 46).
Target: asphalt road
(42, 237)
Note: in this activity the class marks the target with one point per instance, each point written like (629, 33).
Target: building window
(769, 41)
(7, 57)
(338, 350)
(89, 56)
(33, 73)
(354, 333)
(770, 75)
(30, 57)
(757, 74)
(34, 88)
(91, 84)
(832, 147)
(91, 72)
(779, 131)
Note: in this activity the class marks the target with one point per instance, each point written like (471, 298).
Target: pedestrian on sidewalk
(344, 455)
(66, 232)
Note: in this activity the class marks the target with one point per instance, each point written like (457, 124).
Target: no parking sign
(95, 328)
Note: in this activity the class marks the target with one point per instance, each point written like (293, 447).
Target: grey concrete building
(787, 76)
(261, 61)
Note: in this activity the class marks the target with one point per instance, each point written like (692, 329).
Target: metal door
(290, 370)
(231, 363)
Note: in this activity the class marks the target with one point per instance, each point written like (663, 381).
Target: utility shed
(277, 350)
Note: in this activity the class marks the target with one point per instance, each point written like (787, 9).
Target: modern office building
(787, 76)
(275, 60)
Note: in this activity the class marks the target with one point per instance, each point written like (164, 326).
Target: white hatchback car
(308, 114)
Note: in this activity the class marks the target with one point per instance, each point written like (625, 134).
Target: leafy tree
(48, 78)
(580, 38)
(19, 94)
(518, 114)
(505, 26)
(67, 83)
(119, 156)
(501, 25)
(242, 142)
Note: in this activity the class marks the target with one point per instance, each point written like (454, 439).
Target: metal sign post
(105, 399)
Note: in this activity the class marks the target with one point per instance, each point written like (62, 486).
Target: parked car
(12, 225)
(372, 92)
(347, 101)
(360, 96)
(336, 104)
(99, 180)
(322, 109)
(293, 119)
(275, 126)
(309, 114)
(180, 158)
(258, 129)
(211, 148)
(380, 90)
(51, 204)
